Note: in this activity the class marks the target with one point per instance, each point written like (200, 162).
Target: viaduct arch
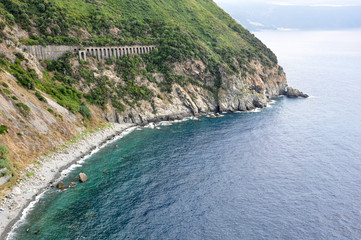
(108, 52)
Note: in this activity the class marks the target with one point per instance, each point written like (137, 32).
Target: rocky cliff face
(237, 93)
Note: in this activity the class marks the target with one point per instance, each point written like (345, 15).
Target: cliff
(204, 62)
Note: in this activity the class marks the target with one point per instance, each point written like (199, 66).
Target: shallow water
(291, 171)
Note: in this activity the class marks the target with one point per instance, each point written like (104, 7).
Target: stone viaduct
(55, 52)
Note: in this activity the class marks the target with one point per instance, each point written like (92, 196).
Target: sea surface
(289, 171)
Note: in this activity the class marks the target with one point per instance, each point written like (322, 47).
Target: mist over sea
(289, 171)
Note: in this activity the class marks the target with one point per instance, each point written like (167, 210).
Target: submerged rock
(61, 185)
(83, 177)
(72, 185)
(295, 93)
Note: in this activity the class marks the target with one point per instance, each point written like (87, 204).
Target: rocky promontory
(295, 93)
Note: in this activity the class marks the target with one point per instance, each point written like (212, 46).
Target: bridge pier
(82, 55)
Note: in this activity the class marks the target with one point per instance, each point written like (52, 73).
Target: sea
(288, 171)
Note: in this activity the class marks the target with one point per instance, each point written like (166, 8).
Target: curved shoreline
(15, 205)
(51, 168)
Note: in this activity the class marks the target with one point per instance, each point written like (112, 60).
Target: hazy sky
(333, 3)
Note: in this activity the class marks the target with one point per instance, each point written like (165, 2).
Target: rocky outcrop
(295, 93)
(5, 179)
(61, 185)
(83, 177)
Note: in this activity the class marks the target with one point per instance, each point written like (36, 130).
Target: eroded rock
(295, 93)
(83, 177)
(61, 185)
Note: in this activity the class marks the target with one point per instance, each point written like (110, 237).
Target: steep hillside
(204, 62)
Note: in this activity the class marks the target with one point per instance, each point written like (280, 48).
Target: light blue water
(292, 171)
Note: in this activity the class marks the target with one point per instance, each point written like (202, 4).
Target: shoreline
(24, 194)
(53, 165)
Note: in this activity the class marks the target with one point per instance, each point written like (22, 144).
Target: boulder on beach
(61, 185)
(72, 185)
(83, 177)
(295, 93)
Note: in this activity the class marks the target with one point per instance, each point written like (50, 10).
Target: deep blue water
(291, 171)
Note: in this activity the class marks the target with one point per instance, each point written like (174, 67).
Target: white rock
(16, 190)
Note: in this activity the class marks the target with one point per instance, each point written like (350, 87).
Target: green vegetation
(51, 111)
(84, 110)
(3, 129)
(7, 92)
(40, 97)
(24, 109)
(20, 56)
(188, 29)
(4, 160)
(26, 78)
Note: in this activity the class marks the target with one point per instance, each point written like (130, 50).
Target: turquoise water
(290, 171)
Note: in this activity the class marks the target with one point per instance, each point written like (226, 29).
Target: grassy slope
(207, 24)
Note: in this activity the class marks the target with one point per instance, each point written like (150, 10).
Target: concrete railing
(55, 52)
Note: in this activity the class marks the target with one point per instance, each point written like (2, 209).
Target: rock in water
(295, 93)
(72, 185)
(83, 177)
(61, 185)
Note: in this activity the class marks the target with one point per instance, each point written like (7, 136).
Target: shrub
(14, 98)
(24, 109)
(51, 111)
(3, 129)
(40, 97)
(5, 85)
(7, 92)
(20, 56)
(120, 107)
(85, 111)
(4, 161)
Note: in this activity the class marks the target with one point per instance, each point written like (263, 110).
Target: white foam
(255, 110)
(84, 158)
(165, 123)
(25, 212)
